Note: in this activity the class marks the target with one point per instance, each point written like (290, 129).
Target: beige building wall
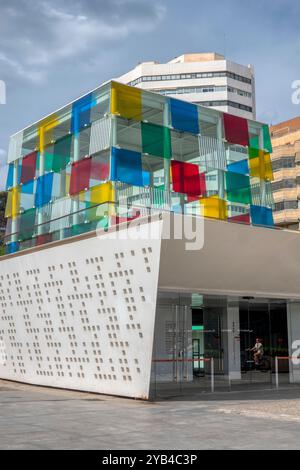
(286, 167)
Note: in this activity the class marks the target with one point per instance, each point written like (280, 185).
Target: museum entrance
(263, 322)
(214, 343)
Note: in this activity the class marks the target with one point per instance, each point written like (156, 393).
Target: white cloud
(36, 35)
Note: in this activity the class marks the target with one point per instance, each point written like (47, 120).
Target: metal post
(276, 373)
(14, 237)
(75, 203)
(114, 143)
(212, 374)
(221, 186)
(185, 346)
(229, 381)
(167, 164)
(220, 128)
(40, 217)
(291, 368)
(262, 181)
(176, 343)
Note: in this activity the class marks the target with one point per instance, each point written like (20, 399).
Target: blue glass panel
(146, 178)
(44, 190)
(261, 216)
(12, 248)
(184, 116)
(28, 188)
(241, 167)
(81, 113)
(10, 176)
(126, 166)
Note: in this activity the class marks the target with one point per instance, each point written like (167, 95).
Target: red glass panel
(242, 219)
(99, 170)
(80, 176)
(42, 239)
(236, 129)
(28, 167)
(187, 179)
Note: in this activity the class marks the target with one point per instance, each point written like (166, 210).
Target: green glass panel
(238, 188)
(242, 196)
(254, 142)
(57, 155)
(27, 224)
(48, 158)
(267, 144)
(62, 153)
(253, 152)
(97, 213)
(80, 228)
(267, 139)
(156, 140)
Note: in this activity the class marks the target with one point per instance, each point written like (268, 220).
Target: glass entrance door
(256, 342)
(187, 345)
(172, 365)
(208, 342)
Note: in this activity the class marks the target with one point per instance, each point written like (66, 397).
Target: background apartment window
(285, 205)
(183, 76)
(284, 162)
(284, 184)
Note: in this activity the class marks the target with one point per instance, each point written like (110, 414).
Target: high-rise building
(140, 250)
(286, 166)
(207, 79)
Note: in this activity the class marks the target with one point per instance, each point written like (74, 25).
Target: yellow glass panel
(213, 207)
(126, 101)
(261, 166)
(102, 193)
(68, 179)
(13, 202)
(8, 208)
(268, 167)
(254, 164)
(45, 131)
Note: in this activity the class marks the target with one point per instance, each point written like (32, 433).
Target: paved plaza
(41, 418)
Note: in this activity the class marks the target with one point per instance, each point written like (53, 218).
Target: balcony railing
(61, 222)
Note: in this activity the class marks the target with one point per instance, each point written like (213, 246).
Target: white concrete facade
(207, 79)
(82, 313)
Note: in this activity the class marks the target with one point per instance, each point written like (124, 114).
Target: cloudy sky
(52, 51)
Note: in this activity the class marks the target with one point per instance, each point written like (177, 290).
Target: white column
(14, 227)
(167, 164)
(75, 202)
(62, 194)
(221, 185)
(293, 321)
(40, 230)
(113, 143)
